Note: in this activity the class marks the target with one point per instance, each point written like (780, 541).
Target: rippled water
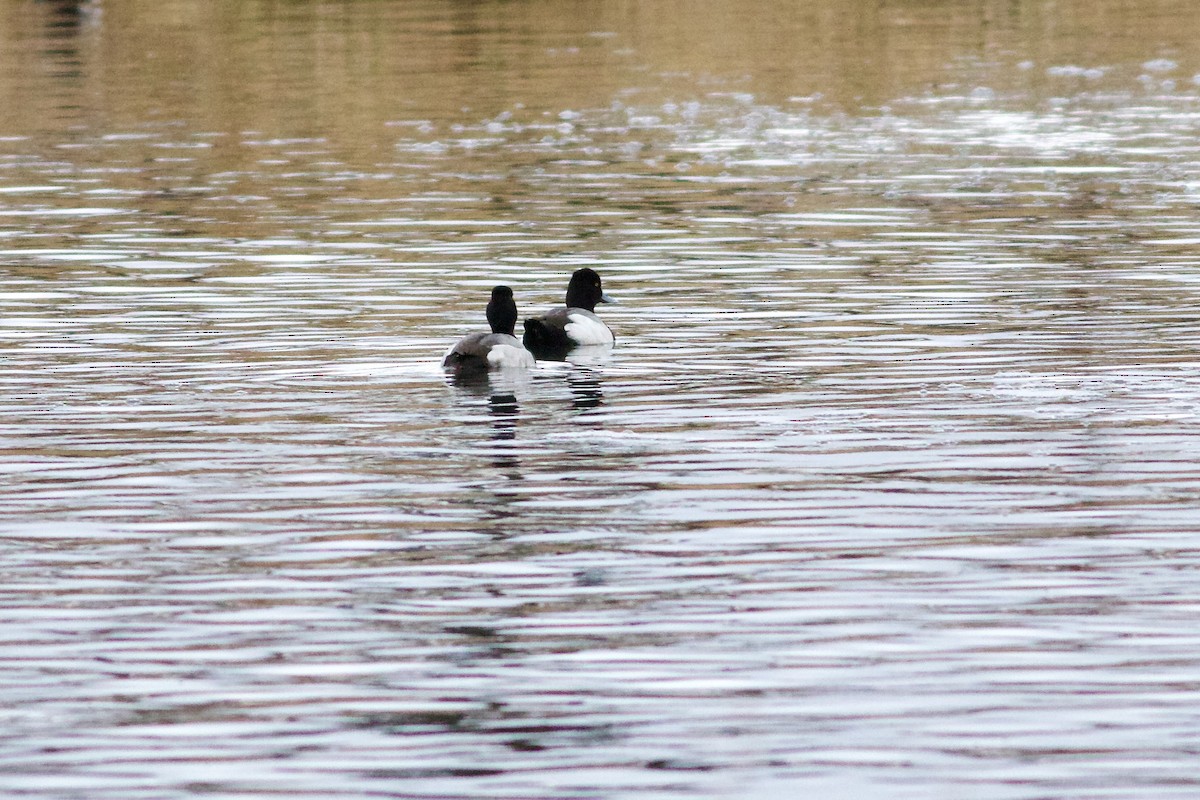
(888, 488)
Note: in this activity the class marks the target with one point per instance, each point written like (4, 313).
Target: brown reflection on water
(347, 69)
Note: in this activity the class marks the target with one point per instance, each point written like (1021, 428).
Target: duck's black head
(502, 310)
(584, 290)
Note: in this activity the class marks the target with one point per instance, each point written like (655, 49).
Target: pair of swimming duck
(548, 337)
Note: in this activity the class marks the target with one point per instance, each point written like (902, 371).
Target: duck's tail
(541, 340)
(536, 336)
(463, 364)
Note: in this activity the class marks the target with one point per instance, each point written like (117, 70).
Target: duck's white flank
(586, 328)
(504, 356)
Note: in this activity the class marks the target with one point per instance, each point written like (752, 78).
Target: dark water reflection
(888, 488)
(586, 392)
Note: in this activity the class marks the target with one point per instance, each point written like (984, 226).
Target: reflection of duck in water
(585, 389)
(501, 388)
(555, 333)
(504, 410)
(477, 353)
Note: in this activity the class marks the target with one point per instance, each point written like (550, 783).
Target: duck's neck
(502, 320)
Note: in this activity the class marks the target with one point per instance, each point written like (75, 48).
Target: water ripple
(887, 488)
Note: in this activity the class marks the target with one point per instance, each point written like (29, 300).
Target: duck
(552, 335)
(478, 353)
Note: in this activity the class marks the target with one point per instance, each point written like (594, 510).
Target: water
(888, 488)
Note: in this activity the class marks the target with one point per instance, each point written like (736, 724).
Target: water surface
(887, 489)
